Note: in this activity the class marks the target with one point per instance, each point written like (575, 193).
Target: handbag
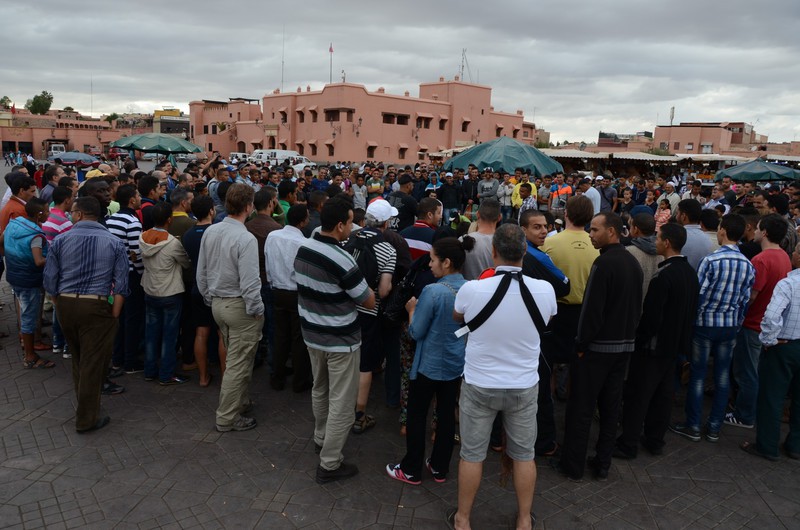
(394, 307)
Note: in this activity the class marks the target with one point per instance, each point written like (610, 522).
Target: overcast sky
(575, 68)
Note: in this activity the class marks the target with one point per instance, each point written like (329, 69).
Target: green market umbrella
(507, 154)
(758, 170)
(164, 144)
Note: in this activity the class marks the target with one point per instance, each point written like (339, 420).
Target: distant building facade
(344, 121)
(706, 138)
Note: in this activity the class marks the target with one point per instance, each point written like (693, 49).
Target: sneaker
(712, 437)
(135, 369)
(58, 349)
(684, 430)
(344, 470)
(438, 477)
(598, 472)
(394, 471)
(363, 423)
(731, 419)
(111, 389)
(66, 355)
(242, 423)
(116, 371)
(174, 380)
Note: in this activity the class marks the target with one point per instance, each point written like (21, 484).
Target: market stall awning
(647, 157)
(784, 158)
(713, 157)
(572, 153)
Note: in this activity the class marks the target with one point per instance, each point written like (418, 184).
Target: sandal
(38, 363)
(363, 423)
(750, 448)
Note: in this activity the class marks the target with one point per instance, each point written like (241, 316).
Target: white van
(272, 156)
(241, 157)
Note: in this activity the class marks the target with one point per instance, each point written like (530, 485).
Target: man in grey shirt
(228, 280)
(487, 188)
(697, 246)
(480, 257)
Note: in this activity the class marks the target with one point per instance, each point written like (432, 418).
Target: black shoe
(651, 448)
(558, 468)
(135, 369)
(111, 389)
(622, 454)
(597, 472)
(277, 383)
(344, 470)
(102, 422)
(174, 380)
(115, 371)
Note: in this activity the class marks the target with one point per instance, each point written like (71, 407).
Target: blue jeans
(446, 213)
(718, 342)
(745, 371)
(162, 321)
(30, 302)
(58, 336)
(505, 211)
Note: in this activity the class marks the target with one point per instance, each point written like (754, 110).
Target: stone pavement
(161, 464)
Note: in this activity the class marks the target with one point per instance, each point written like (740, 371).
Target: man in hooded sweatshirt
(164, 257)
(643, 247)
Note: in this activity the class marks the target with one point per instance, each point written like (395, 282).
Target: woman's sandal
(38, 363)
(750, 448)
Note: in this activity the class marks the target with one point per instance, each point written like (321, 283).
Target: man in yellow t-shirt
(521, 178)
(573, 253)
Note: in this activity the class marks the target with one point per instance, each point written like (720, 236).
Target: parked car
(186, 157)
(150, 156)
(94, 151)
(300, 163)
(118, 152)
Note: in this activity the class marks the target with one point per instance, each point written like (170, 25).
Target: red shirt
(772, 265)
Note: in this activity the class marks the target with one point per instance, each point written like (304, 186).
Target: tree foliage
(111, 117)
(68, 109)
(40, 103)
(5, 102)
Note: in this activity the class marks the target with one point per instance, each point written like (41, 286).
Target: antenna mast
(283, 54)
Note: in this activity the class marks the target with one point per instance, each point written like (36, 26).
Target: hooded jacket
(163, 257)
(644, 250)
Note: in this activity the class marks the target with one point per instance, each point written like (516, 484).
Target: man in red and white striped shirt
(58, 222)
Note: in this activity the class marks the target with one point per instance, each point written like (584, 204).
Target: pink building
(344, 121)
(34, 133)
(709, 138)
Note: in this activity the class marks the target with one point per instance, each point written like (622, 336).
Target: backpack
(363, 251)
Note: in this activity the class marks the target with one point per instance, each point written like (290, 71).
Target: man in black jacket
(606, 338)
(664, 331)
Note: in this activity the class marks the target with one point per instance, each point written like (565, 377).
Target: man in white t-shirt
(501, 375)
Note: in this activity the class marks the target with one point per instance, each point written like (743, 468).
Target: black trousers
(545, 414)
(289, 340)
(187, 332)
(647, 401)
(596, 381)
(421, 392)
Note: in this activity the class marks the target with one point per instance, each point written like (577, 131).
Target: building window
(205, 129)
(282, 147)
(676, 145)
(350, 116)
(210, 146)
(515, 133)
(401, 153)
(191, 131)
(689, 146)
(465, 126)
(371, 151)
(214, 129)
(707, 149)
(238, 116)
(481, 112)
(389, 119)
(421, 155)
(442, 125)
(283, 117)
(498, 131)
(525, 134)
(313, 150)
(301, 116)
(332, 115)
(419, 123)
(402, 119)
(426, 123)
(313, 116)
(301, 149)
(330, 150)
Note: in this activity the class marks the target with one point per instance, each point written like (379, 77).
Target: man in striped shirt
(419, 236)
(57, 223)
(726, 277)
(329, 286)
(126, 226)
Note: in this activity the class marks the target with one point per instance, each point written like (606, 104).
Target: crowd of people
(485, 296)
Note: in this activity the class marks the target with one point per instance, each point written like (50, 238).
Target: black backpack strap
(490, 307)
(530, 304)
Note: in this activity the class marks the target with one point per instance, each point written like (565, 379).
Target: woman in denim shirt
(437, 366)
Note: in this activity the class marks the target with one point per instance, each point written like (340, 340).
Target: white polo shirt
(504, 351)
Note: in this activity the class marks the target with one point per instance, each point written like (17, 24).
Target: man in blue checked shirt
(726, 277)
(86, 274)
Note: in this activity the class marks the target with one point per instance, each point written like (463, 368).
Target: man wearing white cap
(377, 259)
